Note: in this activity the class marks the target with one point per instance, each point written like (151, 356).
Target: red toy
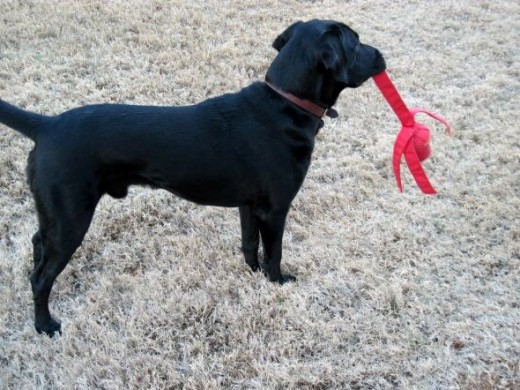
(414, 138)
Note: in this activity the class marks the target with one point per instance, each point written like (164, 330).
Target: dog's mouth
(377, 66)
(356, 84)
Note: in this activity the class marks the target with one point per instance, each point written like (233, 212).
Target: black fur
(249, 150)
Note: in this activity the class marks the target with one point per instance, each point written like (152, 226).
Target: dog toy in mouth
(414, 138)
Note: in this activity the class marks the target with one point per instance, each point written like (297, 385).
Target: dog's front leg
(250, 236)
(272, 225)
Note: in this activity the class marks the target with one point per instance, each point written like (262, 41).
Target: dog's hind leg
(37, 248)
(64, 219)
(250, 236)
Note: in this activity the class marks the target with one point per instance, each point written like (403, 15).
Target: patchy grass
(394, 290)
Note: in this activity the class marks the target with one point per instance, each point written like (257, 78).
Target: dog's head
(319, 58)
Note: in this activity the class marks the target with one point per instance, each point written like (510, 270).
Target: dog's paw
(51, 328)
(286, 278)
(254, 267)
(280, 278)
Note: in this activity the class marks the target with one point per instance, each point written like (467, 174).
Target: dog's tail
(23, 121)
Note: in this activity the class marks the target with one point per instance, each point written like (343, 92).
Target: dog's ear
(332, 60)
(284, 37)
(332, 56)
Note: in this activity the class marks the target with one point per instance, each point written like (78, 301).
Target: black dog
(249, 150)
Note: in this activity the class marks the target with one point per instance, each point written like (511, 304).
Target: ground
(394, 290)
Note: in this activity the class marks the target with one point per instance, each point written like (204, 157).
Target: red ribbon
(405, 141)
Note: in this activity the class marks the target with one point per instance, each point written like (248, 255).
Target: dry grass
(394, 290)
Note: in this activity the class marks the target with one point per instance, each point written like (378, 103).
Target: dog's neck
(312, 108)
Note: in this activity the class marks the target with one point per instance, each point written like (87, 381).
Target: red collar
(306, 105)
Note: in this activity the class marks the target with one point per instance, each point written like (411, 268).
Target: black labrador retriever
(249, 149)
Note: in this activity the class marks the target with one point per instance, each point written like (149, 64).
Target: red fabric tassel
(413, 139)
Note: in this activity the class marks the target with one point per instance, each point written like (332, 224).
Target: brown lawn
(395, 290)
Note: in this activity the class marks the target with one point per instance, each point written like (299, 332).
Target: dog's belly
(226, 188)
(209, 198)
(218, 190)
